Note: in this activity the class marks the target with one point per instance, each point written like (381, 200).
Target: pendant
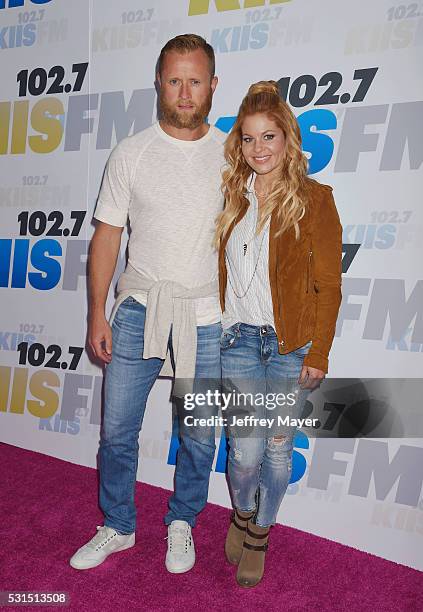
(245, 248)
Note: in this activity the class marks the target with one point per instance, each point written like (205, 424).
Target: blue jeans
(128, 381)
(260, 464)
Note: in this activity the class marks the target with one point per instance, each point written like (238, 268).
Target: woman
(280, 248)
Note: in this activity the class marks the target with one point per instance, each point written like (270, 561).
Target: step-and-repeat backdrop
(77, 77)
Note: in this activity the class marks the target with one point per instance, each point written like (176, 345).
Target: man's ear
(214, 83)
(158, 79)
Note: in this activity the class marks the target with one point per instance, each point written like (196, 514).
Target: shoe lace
(102, 534)
(179, 540)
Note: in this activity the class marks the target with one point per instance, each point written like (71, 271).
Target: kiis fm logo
(17, 3)
(201, 7)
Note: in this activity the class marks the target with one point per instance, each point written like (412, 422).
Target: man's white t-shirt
(170, 189)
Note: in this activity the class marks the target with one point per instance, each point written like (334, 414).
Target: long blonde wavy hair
(289, 196)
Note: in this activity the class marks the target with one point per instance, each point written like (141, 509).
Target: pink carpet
(49, 508)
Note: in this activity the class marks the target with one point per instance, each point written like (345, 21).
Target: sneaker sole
(180, 571)
(85, 567)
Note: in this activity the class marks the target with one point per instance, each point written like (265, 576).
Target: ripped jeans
(260, 456)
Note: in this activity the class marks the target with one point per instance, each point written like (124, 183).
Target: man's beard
(188, 120)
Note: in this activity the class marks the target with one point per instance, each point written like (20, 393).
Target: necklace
(245, 244)
(258, 195)
(261, 194)
(254, 273)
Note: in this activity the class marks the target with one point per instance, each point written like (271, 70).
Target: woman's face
(263, 144)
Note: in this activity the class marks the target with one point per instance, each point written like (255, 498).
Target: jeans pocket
(303, 350)
(130, 300)
(124, 307)
(227, 337)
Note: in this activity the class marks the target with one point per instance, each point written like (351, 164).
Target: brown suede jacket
(305, 277)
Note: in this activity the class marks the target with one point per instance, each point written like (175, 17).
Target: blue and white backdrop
(76, 77)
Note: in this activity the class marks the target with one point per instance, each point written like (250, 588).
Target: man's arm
(102, 258)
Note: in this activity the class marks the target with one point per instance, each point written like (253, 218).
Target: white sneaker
(180, 555)
(105, 542)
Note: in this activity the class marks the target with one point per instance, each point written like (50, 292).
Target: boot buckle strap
(261, 548)
(237, 525)
(257, 536)
(236, 516)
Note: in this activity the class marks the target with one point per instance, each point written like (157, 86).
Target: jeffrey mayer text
(248, 421)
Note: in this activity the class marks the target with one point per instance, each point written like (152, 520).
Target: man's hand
(100, 337)
(102, 257)
(310, 378)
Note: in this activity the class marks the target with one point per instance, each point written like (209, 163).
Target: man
(166, 179)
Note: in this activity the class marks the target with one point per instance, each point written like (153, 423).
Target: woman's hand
(310, 378)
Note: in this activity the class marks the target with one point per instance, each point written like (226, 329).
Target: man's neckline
(179, 141)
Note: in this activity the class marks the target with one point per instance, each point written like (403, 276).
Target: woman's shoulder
(322, 207)
(321, 203)
(315, 188)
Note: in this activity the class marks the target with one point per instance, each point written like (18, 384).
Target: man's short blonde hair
(186, 43)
